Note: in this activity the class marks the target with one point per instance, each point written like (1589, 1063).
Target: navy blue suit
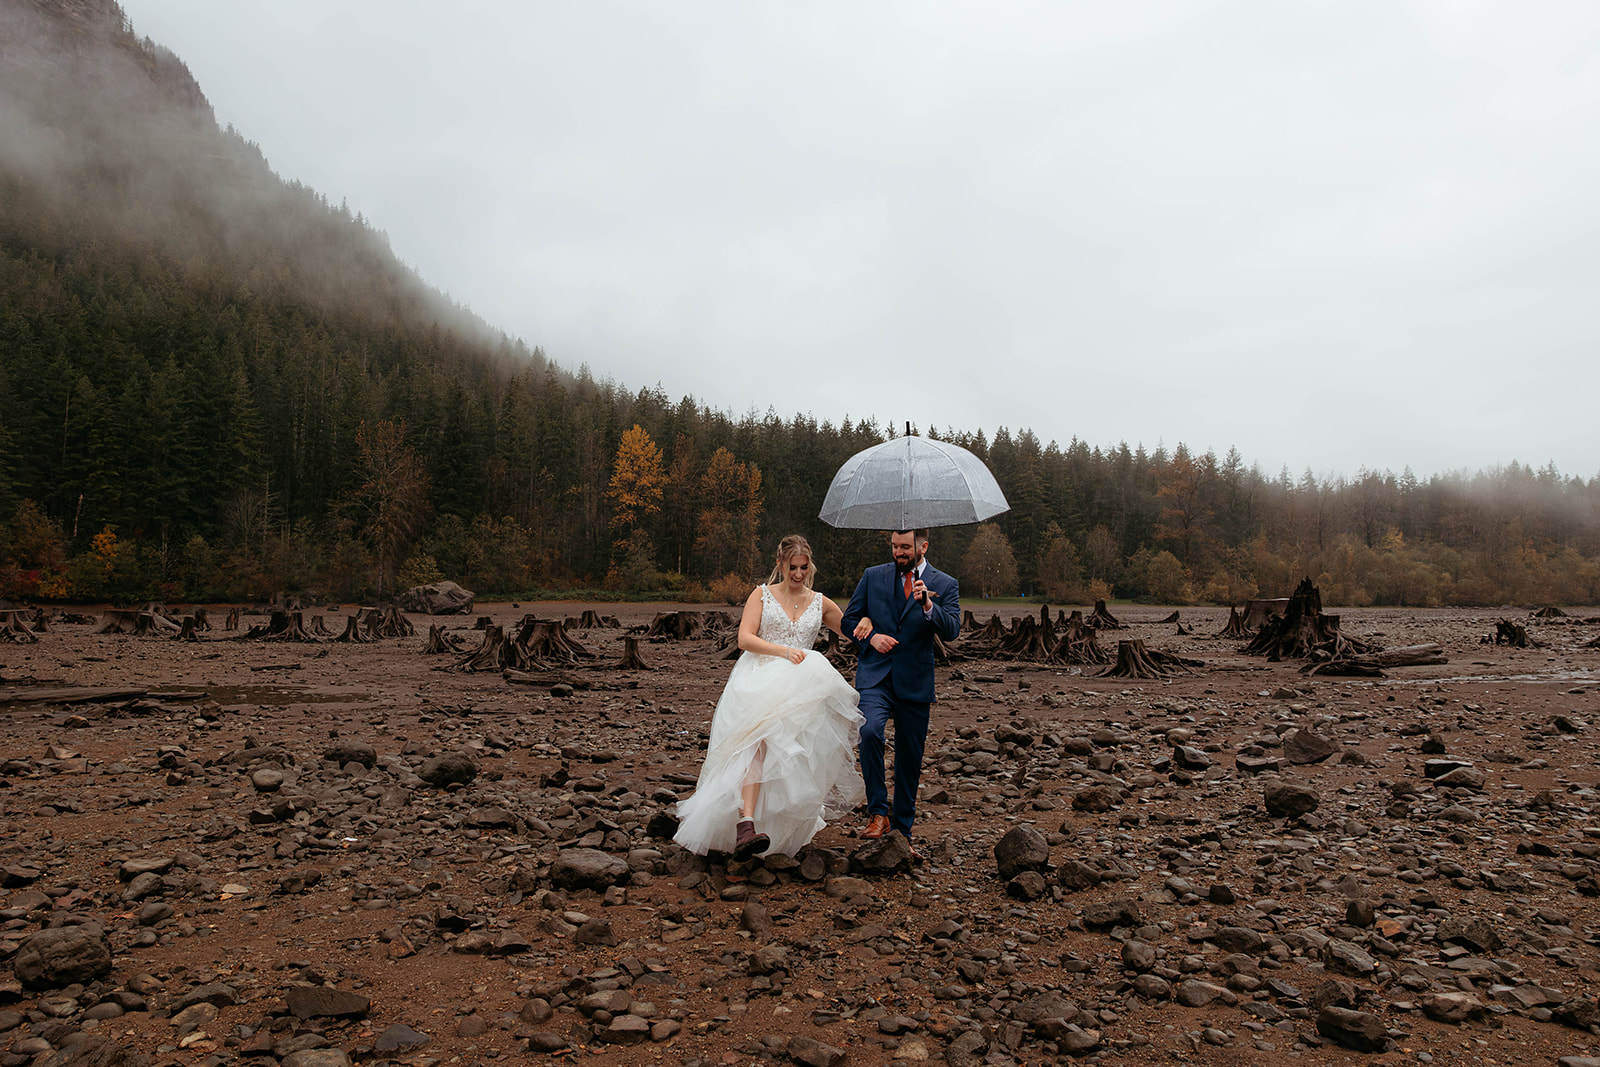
(898, 685)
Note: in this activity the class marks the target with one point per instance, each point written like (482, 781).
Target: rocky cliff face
(92, 43)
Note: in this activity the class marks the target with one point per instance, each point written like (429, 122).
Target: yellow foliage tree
(637, 478)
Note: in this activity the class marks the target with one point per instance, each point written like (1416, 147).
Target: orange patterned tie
(909, 576)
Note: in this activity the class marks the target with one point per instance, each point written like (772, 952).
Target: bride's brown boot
(747, 842)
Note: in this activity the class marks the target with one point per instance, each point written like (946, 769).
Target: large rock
(449, 768)
(440, 598)
(1021, 849)
(1303, 747)
(51, 959)
(1288, 800)
(588, 868)
(326, 1002)
(1359, 1030)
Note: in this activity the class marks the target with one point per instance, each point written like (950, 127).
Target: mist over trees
(215, 383)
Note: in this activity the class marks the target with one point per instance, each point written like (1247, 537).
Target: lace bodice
(777, 627)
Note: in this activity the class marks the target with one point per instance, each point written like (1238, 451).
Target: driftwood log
(1102, 619)
(1374, 664)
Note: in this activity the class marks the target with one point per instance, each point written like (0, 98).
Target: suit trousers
(879, 707)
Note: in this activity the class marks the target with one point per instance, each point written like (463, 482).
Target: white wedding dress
(792, 727)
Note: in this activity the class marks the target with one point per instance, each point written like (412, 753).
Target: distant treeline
(216, 384)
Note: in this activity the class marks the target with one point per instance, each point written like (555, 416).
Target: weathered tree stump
(319, 627)
(277, 622)
(590, 620)
(1079, 644)
(202, 619)
(1235, 627)
(1102, 619)
(483, 623)
(352, 632)
(190, 630)
(488, 656)
(1550, 612)
(839, 651)
(296, 630)
(440, 642)
(1257, 612)
(1133, 661)
(232, 622)
(991, 632)
(631, 660)
(1171, 618)
(14, 627)
(1027, 641)
(677, 626)
(969, 622)
(1513, 634)
(154, 622)
(545, 641)
(1303, 631)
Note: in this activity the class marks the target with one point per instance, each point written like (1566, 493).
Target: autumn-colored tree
(730, 521)
(1060, 574)
(392, 498)
(989, 565)
(1184, 492)
(637, 479)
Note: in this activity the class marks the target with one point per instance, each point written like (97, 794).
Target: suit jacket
(881, 597)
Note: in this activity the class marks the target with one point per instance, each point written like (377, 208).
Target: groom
(897, 609)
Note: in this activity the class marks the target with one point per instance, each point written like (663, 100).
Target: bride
(781, 759)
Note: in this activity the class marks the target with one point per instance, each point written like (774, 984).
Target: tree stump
(1303, 630)
(590, 620)
(1550, 612)
(439, 641)
(839, 651)
(232, 622)
(1235, 627)
(1079, 644)
(202, 619)
(296, 630)
(677, 626)
(993, 631)
(14, 628)
(276, 623)
(352, 632)
(190, 630)
(1102, 619)
(488, 656)
(969, 622)
(1171, 618)
(631, 660)
(152, 622)
(1027, 641)
(1134, 660)
(1511, 633)
(546, 641)
(319, 627)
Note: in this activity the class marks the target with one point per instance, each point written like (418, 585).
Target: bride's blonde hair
(789, 547)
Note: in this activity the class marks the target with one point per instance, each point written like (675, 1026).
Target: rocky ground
(317, 853)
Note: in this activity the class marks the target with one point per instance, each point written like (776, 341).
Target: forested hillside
(214, 383)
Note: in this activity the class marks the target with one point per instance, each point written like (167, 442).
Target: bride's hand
(796, 655)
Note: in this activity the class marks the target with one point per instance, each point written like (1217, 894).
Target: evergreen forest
(216, 384)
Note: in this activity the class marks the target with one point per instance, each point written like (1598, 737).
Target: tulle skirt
(792, 727)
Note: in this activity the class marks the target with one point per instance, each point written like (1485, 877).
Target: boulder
(54, 958)
(439, 598)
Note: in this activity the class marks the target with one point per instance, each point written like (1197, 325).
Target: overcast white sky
(1334, 235)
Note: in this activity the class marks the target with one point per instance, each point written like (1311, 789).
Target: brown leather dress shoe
(877, 826)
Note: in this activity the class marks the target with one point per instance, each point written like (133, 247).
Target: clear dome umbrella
(909, 483)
